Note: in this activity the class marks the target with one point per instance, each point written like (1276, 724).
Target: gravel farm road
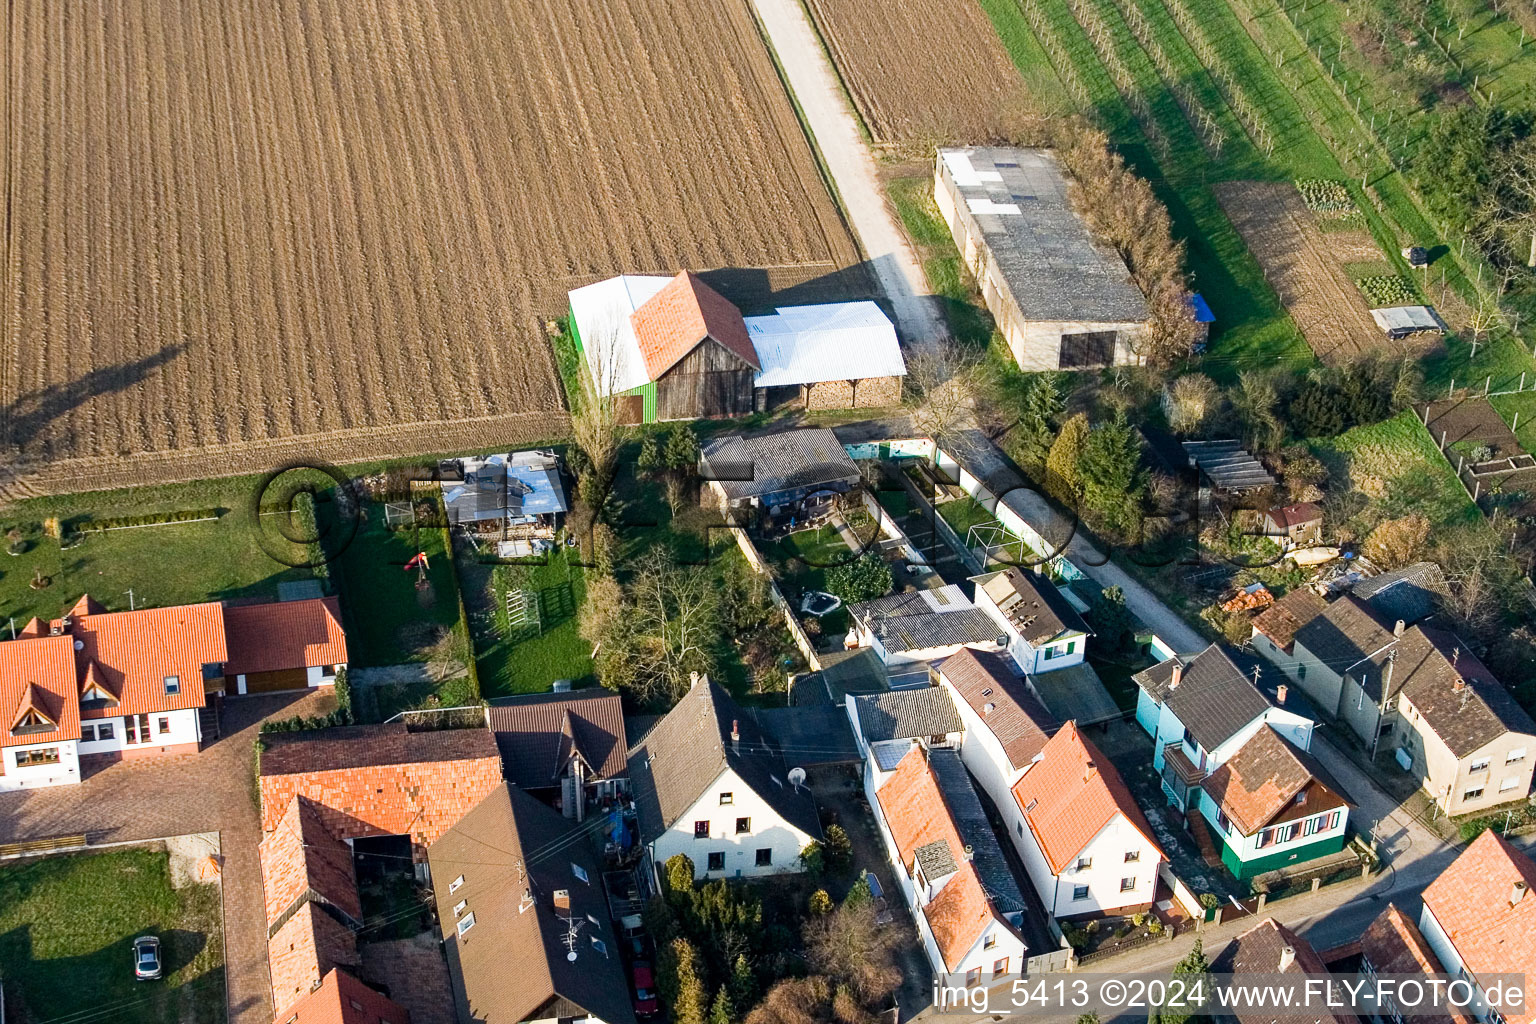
(852, 167)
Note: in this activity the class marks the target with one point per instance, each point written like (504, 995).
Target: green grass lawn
(963, 513)
(389, 621)
(67, 924)
(523, 659)
(163, 565)
(1396, 464)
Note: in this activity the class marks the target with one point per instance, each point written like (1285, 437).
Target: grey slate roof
(1075, 693)
(1408, 593)
(965, 810)
(685, 752)
(1347, 633)
(791, 460)
(906, 714)
(809, 735)
(1228, 465)
(492, 848)
(925, 619)
(1033, 604)
(1214, 698)
(1427, 666)
(1049, 260)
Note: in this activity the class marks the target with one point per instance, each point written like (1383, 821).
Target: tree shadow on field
(27, 417)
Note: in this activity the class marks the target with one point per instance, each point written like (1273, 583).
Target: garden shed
(793, 475)
(1404, 321)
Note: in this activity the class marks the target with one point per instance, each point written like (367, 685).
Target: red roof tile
(300, 857)
(38, 672)
(1471, 901)
(673, 321)
(958, 915)
(342, 999)
(1288, 516)
(135, 652)
(1281, 620)
(1071, 794)
(1256, 784)
(280, 635)
(915, 811)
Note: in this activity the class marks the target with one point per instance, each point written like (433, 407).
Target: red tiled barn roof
(342, 999)
(673, 321)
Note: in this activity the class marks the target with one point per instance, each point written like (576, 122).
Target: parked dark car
(645, 989)
(146, 958)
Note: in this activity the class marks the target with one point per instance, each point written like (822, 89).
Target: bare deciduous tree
(941, 387)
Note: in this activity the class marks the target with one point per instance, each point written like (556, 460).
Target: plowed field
(920, 71)
(1306, 269)
(247, 229)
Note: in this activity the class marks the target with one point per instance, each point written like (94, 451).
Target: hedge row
(185, 515)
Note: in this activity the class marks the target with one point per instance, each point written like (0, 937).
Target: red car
(645, 989)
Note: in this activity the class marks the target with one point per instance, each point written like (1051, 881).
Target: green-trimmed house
(1231, 745)
(664, 348)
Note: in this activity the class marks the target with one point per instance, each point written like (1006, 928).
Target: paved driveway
(210, 791)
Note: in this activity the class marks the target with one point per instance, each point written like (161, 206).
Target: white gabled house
(1232, 752)
(1005, 726)
(1085, 843)
(920, 627)
(1044, 630)
(1200, 711)
(961, 892)
(709, 784)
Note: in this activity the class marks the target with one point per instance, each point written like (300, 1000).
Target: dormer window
(172, 685)
(31, 721)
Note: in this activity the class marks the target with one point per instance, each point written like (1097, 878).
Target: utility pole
(1381, 708)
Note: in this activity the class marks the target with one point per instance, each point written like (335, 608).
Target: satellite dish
(571, 956)
(796, 777)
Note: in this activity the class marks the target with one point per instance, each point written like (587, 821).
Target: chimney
(562, 899)
(1280, 692)
(970, 855)
(1088, 769)
(693, 679)
(735, 734)
(988, 708)
(1178, 674)
(1287, 957)
(1517, 892)
(1397, 630)
(1458, 684)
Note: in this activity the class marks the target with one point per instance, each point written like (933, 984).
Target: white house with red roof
(1479, 917)
(959, 899)
(1085, 843)
(1006, 726)
(111, 685)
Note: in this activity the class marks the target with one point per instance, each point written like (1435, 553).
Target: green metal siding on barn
(647, 392)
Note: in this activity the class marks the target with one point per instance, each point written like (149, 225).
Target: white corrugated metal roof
(834, 341)
(1407, 318)
(602, 312)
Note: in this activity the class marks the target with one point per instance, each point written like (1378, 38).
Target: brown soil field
(1305, 266)
(920, 71)
(243, 231)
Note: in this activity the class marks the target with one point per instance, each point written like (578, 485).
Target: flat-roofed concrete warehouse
(1061, 298)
